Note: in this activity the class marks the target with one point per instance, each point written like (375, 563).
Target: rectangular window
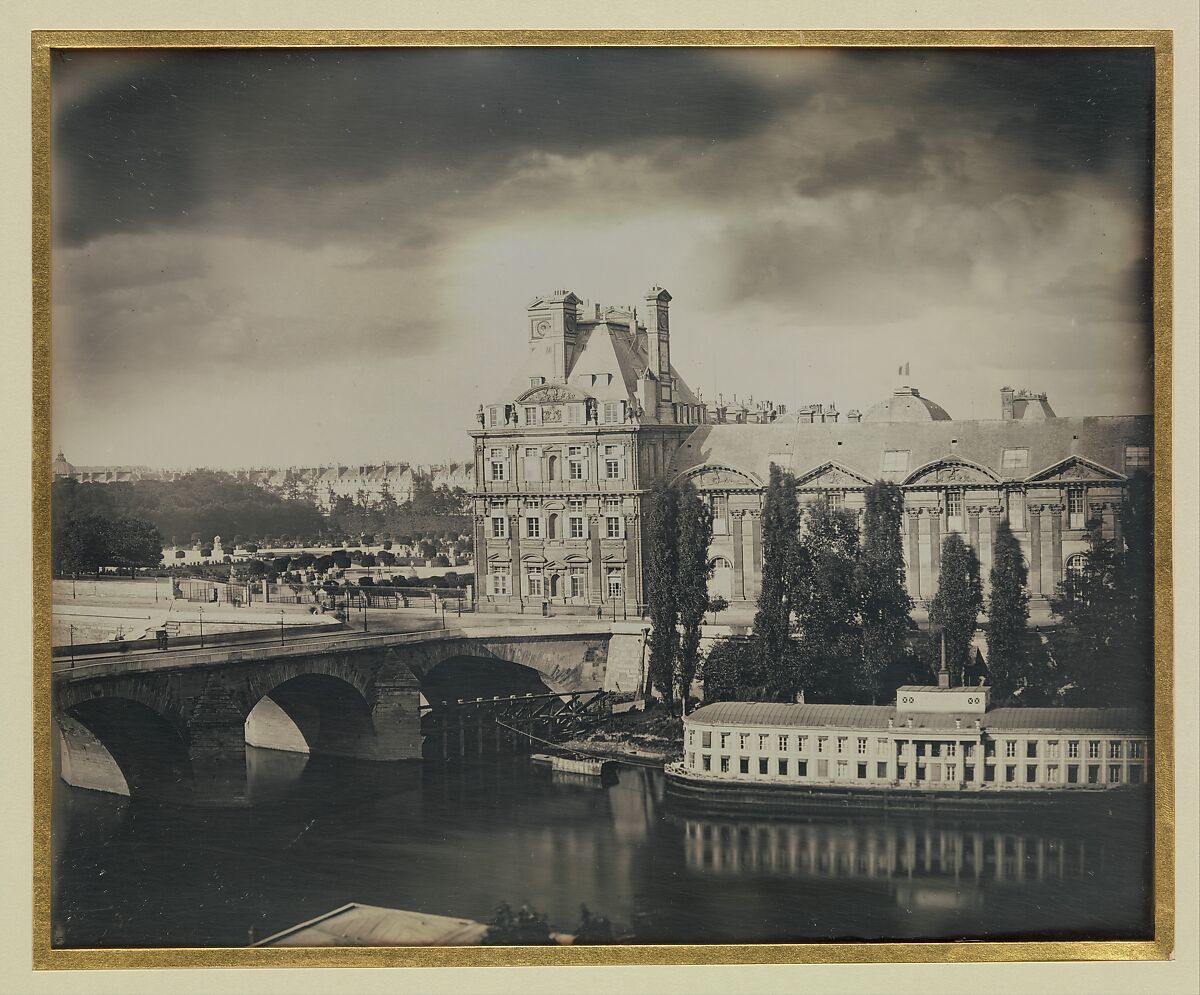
(951, 749)
(499, 469)
(743, 740)
(531, 415)
(612, 468)
(1093, 749)
(841, 743)
(822, 744)
(493, 417)
(881, 747)
(1135, 773)
(719, 504)
(801, 744)
(783, 744)
(862, 771)
(1052, 749)
(1075, 508)
(989, 772)
(1114, 773)
(612, 527)
(1031, 748)
(954, 508)
(1093, 773)
(533, 527)
(691, 737)
(500, 574)
(1137, 456)
(615, 582)
(692, 760)
(706, 761)
(499, 527)
(1073, 748)
(1072, 773)
(1137, 749)
(724, 740)
(1010, 748)
(881, 769)
(762, 765)
(951, 772)
(762, 741)
(1030, 773)
(612, 411)
(724, 765)
(575, 504)
(783, 765)
(706, 739)
(968, 750)
(1114, 749)
(802, 768)
(1052, 773)
(822, 768)
(575, 469)
(842, 767)
(1016, 510)
(862, 745)
(578, 582)
(1014, 459)
(574, 414)
(535, 577)
(895, 460)
(575, 527)
(1010, 773)
(743, 765)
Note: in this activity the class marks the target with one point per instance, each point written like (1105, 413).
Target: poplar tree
(692, 599)
(775, 653)
(662, 568)
(883, 593)
(956, 606)
(826, 604)
(1008, 615)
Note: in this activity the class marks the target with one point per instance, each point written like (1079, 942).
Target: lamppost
(72, 647)
(201, 609)
(443, 614)
(280, 626)
(366, 605)
(73, 576)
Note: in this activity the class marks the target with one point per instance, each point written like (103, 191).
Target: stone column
(935, 546)
(1034, 512)
(914, 553)
(633, 563)
(739, 578)
(756, 551)
(597, 594)
(1056, 559)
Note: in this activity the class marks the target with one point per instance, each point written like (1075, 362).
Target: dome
(907, 405)
(61, 467)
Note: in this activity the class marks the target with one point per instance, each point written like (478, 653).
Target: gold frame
(1161, 947)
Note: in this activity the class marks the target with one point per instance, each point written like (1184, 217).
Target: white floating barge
(588, 766)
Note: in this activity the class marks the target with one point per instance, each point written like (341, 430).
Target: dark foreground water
(459, 840)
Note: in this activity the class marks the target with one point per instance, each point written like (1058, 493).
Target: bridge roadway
(175, 723)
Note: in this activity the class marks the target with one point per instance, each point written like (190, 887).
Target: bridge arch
(148, 750)
(315, 713)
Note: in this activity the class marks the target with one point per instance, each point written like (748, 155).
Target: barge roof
(810, 716)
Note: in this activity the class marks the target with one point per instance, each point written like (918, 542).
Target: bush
(523, 928)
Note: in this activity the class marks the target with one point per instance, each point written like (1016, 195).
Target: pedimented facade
(564, 457)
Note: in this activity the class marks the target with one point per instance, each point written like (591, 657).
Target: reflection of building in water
(934, 738)
(893, 850)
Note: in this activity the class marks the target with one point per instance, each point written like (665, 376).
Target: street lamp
(72, 647)
(280, 626)
(201, 626)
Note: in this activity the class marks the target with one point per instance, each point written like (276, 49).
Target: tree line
(833, 617)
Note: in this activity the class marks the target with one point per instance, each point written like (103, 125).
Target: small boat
(588, 766)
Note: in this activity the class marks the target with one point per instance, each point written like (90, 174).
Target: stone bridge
(176, 724)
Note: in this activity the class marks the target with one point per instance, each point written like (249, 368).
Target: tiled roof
(1073, 719)
(860, 447)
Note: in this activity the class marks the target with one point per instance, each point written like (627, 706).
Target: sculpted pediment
(1075, 468)
(952, 471)
(718, 477)
(551, 393)
(832, 475)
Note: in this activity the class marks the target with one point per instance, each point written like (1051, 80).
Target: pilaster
(1034, 511)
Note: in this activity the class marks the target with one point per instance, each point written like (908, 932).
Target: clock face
(540, 328)
(662, 320)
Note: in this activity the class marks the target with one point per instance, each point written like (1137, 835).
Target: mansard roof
(1096, 442)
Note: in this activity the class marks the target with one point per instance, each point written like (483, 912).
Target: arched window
(1076, 567)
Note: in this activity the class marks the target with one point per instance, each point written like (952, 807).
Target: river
(460, 839)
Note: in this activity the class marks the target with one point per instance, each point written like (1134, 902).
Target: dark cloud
(896, 162)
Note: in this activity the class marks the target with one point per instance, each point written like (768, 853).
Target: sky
(301, 257)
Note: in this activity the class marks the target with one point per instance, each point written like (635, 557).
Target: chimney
(658, 332)
(1006, 403)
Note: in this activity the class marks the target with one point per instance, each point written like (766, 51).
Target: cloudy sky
(296, 257)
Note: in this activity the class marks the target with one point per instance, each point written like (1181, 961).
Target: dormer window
(536, 381)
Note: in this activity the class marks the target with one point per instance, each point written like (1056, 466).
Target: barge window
(1073, 748)
(802, 768)
(862, 770)
(692, 760)
(1031, 748)
(1114, 773)
(862, 746)
(989, 772)
(706, 761)
(744, 765)
(1052, 749)
(822, 742)
(1030, 773)
(706, 739)
(743, 740)
(724, 740)
(1093, 749)
(1072, 773)
(881, 769)
(1010, 748)
(951, 749)
(881, 747)
(762, 765)
(783, 743)
(724, 765)
(801, 744)
(762, 741)
(691, 737)
(783, 766)
(1093, 773)
(969, 772)
(1137, 749)
(841, 743)
(1010, 773)
(951, 772)
(989, 750)
(1114, 749)
(901, 771)
(822, 768)
(1052, 773)
(841, 768)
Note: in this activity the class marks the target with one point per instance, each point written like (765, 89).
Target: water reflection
(458, 840)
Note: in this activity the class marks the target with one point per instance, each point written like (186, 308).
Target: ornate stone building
(563, 459)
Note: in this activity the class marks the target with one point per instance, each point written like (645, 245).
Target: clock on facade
(540, 328)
